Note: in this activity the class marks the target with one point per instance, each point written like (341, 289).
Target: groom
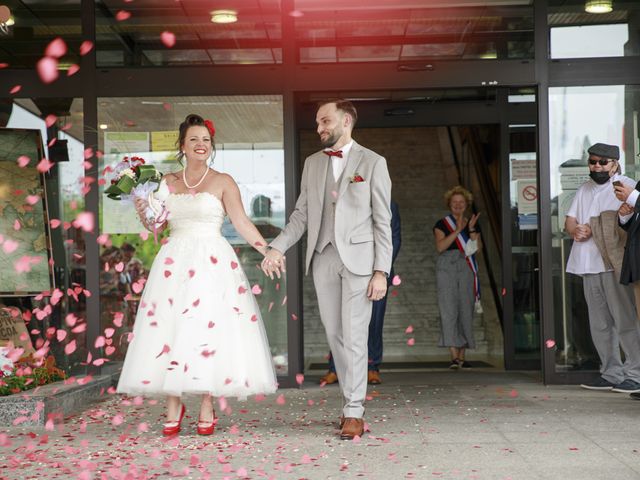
(344, 201)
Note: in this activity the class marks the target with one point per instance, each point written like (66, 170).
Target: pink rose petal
(9, 246)
(86, 47)
(299, 378)
(411, 342)
(23, 161)
(396, 280)
(256, 290)
(72, 70)
(47, 68)
(70, 347)
(550, 343)
(85, 221)
(44, 166)
(123, 15)
(57, 48)
(168, 39)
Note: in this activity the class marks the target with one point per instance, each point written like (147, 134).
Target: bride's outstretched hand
(141, 206)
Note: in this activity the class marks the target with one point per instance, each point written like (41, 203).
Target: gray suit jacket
(363, 213)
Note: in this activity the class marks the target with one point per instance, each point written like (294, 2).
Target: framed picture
(25, 240)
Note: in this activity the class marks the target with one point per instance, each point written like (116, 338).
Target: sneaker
(455, 364)
(599, 384)
(465, 364)
(628, 386)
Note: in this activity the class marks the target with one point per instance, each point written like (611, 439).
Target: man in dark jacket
(629, 219)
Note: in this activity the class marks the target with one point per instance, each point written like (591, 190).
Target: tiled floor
(478, 424)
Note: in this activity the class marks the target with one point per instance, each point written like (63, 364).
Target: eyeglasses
(603, 161)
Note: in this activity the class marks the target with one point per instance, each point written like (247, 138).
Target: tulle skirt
(198, 328)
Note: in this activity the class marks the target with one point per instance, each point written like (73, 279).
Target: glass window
(249, 147)
(578, 118)
(577, 33)
(382, 32)
(190, 32)
(59, 320)
(523, 171)
(33, 25)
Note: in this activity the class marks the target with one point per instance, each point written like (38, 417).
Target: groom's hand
(377, 286)
(273, 262)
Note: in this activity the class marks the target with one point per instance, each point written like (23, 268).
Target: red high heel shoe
(207, 428)
(173, 428)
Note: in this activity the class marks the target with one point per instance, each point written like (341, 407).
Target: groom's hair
(345, 106)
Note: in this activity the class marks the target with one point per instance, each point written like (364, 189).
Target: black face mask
(600, 177)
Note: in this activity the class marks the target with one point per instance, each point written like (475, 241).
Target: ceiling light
(224, 16)
(598, 6)
(103, 126)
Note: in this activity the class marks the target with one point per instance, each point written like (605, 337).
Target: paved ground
(477, 424)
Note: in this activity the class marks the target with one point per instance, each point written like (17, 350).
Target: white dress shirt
(338, 164)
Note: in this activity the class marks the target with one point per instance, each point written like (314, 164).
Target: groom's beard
(332, 139)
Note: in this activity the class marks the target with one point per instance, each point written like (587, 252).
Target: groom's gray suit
(349, 237)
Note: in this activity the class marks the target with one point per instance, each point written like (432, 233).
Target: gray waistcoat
(327, 232)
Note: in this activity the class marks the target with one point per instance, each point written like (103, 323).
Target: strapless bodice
(201, 213)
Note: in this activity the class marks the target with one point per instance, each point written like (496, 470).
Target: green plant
(19, 381)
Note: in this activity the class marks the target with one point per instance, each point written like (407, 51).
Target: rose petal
(168, 39)
(57, 48)
(86, 47)
(123, 15)
(47, 68)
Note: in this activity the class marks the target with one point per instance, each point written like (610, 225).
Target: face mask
(599, 177)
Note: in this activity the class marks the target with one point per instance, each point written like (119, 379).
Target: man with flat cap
(629, 219)
(596, 255)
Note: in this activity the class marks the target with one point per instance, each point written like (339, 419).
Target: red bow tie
(331, 153)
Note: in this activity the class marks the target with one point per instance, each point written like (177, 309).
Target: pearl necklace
(184, 179)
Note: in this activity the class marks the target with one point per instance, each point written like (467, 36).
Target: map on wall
(24, 240)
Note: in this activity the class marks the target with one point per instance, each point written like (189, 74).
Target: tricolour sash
(461, 242)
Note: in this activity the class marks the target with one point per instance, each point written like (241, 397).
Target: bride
(198, 328)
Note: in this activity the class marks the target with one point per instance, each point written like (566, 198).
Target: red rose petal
(168, 39)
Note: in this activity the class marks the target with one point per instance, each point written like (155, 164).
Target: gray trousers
(614, 323)
(345, 312)
(456, 300)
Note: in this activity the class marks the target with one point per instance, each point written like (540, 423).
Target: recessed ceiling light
(224, 16)
(598, 6)
(103, 126)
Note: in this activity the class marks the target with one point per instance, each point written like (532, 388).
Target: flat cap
(605, 151)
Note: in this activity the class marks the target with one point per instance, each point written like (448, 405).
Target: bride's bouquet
(132, 179)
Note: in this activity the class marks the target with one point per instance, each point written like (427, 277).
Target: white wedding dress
(198, 328)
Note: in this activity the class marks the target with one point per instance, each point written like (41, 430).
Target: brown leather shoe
(351, 428)
(329, 378)
(373, 377)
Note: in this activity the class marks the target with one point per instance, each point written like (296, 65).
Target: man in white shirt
(612, 315)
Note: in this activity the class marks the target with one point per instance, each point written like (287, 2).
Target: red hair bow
(210, 127)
